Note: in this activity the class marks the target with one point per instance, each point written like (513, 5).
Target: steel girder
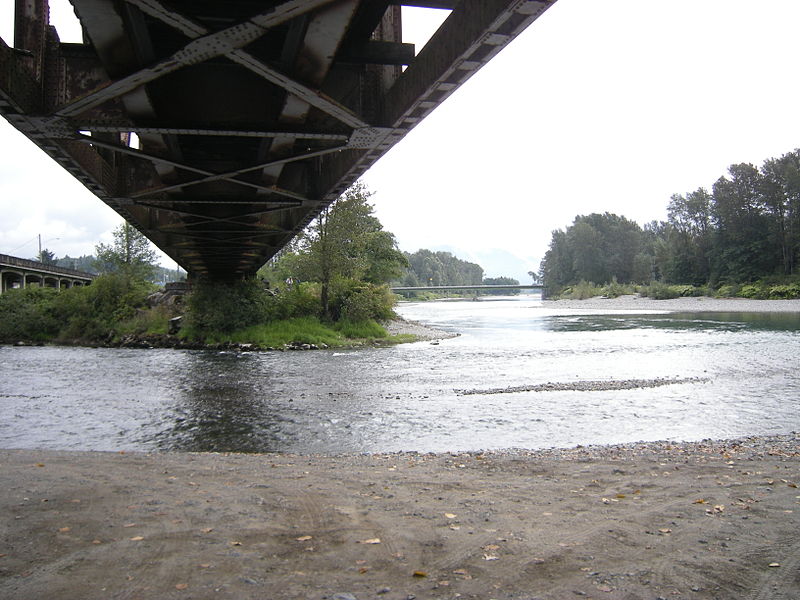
(221, 129)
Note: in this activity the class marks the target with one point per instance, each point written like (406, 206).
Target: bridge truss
(221, 129)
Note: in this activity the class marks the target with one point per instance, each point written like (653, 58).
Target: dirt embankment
(693, 521)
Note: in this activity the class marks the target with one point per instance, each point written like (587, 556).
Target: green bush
(112, 297)
(225, 307)
(658, 290)
(94, 312)
(357, 301)
(583, 290)
(784, 292)
(152, 320)
(683, 291)
(728, 291)
(616, 289)
(303, 330)
(27, 314)
(753, 291)
(701, 290)
(369, 302)
(300, 300)
(80, 313)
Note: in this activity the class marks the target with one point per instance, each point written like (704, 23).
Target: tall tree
(741, 249)
(597, 248)
(781, 189)
(689, 236)
(557, 268)
(131, 254)
(46, 257)
(346, 240)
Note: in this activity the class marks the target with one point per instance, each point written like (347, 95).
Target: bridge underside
(221, 129)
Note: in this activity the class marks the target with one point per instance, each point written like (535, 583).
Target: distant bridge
(459, 288)
(20, 273)
(221, 128)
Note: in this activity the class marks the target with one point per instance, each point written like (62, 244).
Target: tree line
(428, 268)
(130, 252)
(747, 228)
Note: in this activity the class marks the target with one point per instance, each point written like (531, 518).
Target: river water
(735, 375)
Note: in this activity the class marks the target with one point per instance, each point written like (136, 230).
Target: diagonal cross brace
(204, 46)
(158, 159)
(194, 30)
(230, 175)
(206, 219)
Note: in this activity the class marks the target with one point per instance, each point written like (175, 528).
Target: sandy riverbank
(708, 520)
(700, 304)
(661, 520)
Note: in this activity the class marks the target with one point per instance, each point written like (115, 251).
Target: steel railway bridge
(220, 129)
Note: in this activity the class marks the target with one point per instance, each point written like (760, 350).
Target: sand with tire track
(659, 520)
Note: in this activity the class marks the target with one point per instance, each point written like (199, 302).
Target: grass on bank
(307, 330)
(242, 312)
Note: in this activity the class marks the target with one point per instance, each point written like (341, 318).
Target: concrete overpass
(20, 273)
(220, 129)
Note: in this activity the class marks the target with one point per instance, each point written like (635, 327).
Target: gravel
(422, 332)
(700, 304)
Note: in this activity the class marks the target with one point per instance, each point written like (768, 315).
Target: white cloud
(598, 106)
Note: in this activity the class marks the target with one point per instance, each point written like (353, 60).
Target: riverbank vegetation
(244, 312)
(109, 307)
(741, 239)
(127, 241)
(428, 268)
(329, 289)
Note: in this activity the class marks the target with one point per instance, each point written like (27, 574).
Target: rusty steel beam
(250, 120)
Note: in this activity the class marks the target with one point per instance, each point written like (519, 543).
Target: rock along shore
(396, 326)
(711, 519)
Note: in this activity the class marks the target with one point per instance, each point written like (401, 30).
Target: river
(734, 375)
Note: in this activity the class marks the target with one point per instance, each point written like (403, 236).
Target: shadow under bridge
(221, 129)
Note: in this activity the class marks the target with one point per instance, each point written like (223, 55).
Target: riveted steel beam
(245, 59)
(248, 126)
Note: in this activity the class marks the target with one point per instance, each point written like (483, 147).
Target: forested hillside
(746, 229)
(439, 268)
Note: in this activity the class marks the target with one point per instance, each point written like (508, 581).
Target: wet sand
(659, 520)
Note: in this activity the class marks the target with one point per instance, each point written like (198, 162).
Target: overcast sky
(598, 106)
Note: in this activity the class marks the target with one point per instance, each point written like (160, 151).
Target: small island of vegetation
(328, 289)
